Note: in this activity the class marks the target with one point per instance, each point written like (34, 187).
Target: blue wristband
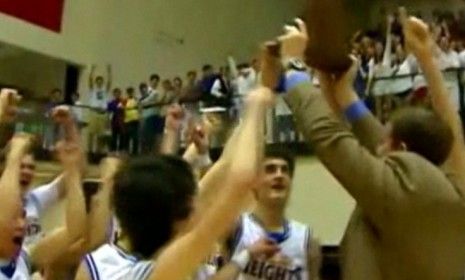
(356, 111)
(295, 78)
(290, 80)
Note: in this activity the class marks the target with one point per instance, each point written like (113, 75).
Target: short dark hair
(150, 195)
(142, 85)
(207, 67)
(281, 152)
(130, 90)
(192, 73)
(154, 77)
(424, 133)
(99, 78)
(117, 90)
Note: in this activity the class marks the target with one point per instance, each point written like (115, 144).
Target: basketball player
(16, 263)
(37, 200)
(165, 188)
(410, 218)
(290, 250)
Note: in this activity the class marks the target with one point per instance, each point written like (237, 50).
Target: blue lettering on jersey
(270, 271)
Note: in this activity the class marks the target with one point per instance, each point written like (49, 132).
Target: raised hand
(418, 38)
(174, 117)
(62, 115)
(294, 41)
(200, 139)
(8, 105)
(108, 167)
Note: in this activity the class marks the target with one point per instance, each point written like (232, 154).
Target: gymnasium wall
(141, 37)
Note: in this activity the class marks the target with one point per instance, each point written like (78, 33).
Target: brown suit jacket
(410, 218)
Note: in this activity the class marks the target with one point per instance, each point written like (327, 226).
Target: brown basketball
(331, 24)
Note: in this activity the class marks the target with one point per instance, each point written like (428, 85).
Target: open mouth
(278, 187)
(18, 240)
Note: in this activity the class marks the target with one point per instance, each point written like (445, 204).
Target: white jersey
(289, 264)
(111, 263)
(35, 203)
(21, 269)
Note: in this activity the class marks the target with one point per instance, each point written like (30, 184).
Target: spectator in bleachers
(97, 119)
(116, 110)
(214, 89)
(169, 96)
(77, 110)
(177, 85)
(152, 126)
(131, 122)
(448, 61)
(191, 78)
(143, 91)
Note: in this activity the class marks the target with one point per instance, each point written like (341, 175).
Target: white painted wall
(137, 36)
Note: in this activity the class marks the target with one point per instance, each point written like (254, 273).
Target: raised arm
(388, 47)
(8, 110)
(92, 76)
(173, 123)
(101, 215)
(11, 206)
(193, 247)
(419, 41)
(331, 139)
(60, 243)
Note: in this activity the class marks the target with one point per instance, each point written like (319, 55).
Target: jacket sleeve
(369, 180)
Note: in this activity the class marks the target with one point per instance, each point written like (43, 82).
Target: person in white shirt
(97, 118)
(152, 126)
(449, 61)
(18, 261)
(265, 244)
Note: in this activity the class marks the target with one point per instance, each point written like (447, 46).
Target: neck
(271, 217)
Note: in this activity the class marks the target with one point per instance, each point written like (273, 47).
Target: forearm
(10, 193)
(333, 142)
(366, 127)
(170, 142)
(195, 246)
(76, 216)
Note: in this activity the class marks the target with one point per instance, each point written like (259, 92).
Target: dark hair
(99, 78)
(150, 195)
(281, 152)
(207, 67)
(142, 85)
(154, 77)
(117, 90)
(192, 73)
(130, 90)
(424, 133)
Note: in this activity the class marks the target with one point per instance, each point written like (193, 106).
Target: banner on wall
(44, 13)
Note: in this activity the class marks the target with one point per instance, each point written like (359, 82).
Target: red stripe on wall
(45, 13)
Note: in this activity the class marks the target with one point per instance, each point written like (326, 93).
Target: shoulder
(141, 270)
(418, 176)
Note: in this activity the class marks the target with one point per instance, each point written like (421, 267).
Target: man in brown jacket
(410, 216)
